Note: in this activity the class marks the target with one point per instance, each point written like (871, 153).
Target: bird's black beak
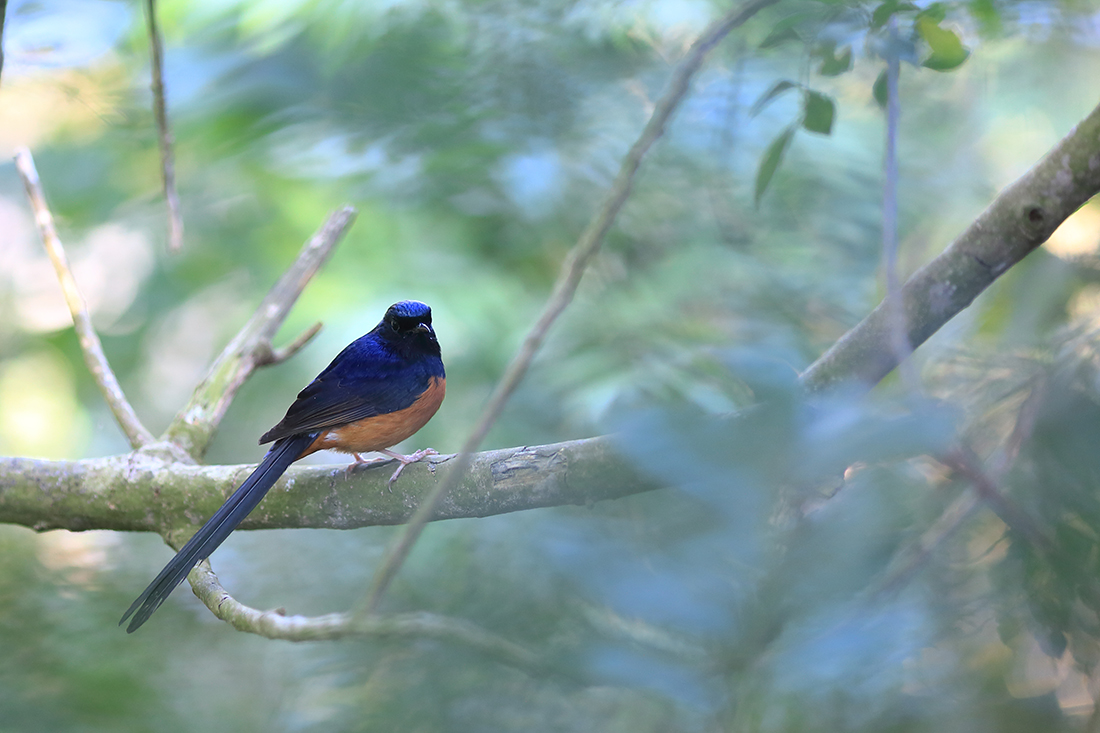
(424, 328)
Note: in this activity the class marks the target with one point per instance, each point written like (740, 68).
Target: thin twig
(899, 331)
(164, 134)
(270, 356)
(194, 426)
(82, 319)
(1022, 430)
(3, 12)
(952, 518)
(276, 624)
(568, 279)
(963, 460)
(965, 503)
(642, 634)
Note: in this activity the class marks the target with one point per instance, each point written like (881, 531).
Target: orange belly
(382, 431)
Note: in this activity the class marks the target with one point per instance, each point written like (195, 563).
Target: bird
(378, 391)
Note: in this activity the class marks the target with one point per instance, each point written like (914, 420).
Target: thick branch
(1020, 219)
(82, 319)
(565, 287)
(148, 491)
(194, 426)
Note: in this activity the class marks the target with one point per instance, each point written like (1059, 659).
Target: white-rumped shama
(377, 392)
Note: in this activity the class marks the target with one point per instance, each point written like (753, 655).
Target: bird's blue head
(409, 325)
(410, 309)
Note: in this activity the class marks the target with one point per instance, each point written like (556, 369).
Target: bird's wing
(344, 395)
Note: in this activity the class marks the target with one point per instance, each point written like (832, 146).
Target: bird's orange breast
(382, 431)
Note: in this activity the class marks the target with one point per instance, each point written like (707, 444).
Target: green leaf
(879, 89)
(936, 11)
(818, 112)
(833, 65)
(883, 12)
(773, 156)
(778, 88)
(778, 36)
(784, 30)
(947, 50)
(987, 15)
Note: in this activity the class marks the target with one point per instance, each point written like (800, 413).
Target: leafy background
(762, 591)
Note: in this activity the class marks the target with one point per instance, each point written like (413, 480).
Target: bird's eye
(394, 326)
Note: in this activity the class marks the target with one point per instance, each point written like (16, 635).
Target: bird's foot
(404, 461)
(359, 462)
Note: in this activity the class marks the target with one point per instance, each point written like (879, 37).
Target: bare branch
(1022, 430)
(164, 133)
(963, 460)
(268, 356)
(151, 490)
(1020, 219)
(194, 426)
(645, 635)
(915, 556)
(967, 502)
(564, 288)
(276, 624)
(3, 12)
(82, 320)
(899, 340)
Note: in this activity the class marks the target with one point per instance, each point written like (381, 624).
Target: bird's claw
(406, 460)
(359, 462)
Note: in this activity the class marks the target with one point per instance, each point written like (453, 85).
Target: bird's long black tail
(217, 528)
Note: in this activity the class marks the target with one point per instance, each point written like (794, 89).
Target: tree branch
(268, 356)
(1020, 219)
(963, 506)
(964, 461)
(150, 492)
(3, 12)
(164, 134)
(276, 624)
(566, 286)
(90, 345)
(898, 341)
(194, 426)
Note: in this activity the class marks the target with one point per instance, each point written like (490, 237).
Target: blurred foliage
(773, 586)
